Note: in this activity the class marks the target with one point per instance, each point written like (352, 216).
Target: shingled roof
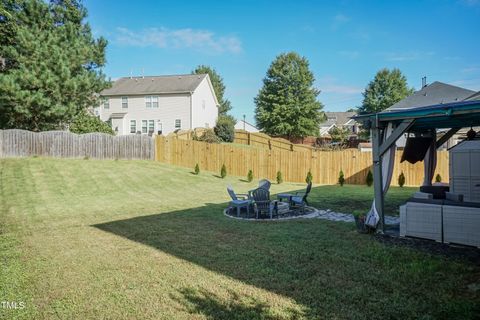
(433, 94)
(185, 83)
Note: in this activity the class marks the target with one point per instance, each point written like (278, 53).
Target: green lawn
(136, 239)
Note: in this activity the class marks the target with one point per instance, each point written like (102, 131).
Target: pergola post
(379, 148)
(377, 174)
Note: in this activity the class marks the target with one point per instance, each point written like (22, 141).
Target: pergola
(388, 126)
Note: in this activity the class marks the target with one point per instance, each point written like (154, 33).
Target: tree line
(51, 74)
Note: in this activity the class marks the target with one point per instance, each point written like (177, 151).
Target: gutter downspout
(191, 111)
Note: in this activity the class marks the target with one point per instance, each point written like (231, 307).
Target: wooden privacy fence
(62, 144)
(294, 165)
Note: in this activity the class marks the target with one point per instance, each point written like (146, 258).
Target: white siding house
(163, 104)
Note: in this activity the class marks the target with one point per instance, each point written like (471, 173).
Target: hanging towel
(415, 149)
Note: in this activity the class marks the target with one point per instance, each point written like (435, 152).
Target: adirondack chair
(265, 184)
(239, 201)
(262, 203)
(300, 198)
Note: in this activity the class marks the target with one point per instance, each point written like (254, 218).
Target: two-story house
(159, 104)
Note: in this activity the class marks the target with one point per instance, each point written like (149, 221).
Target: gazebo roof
(448, 113)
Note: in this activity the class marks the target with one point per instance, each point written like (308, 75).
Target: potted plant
(360, 217)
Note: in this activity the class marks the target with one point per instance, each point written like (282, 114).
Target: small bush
(250, 176)
(438, 178)
(223, 171)
(401, 180)
(309, 177)
(279, 177)
(225, 128)
(341, 178)
(197, 169)
(86, 158)
(369, 179)
(208, 136)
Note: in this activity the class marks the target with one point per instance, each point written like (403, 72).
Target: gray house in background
(339, 120)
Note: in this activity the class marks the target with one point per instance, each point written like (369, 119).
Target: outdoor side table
(286, 196)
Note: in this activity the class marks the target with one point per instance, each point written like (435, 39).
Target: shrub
(401, 180)
(438, 178)
(223, 171)
(208, 136)
(250, 176)
(341, 178)
(309, 177)
(86, 123)
(86, 158)
(225, 128)
(197, 169)
(369, 179)
(279, 177)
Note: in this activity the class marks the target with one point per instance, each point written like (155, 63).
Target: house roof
(185, 83)
(337, 118)
(434, 94)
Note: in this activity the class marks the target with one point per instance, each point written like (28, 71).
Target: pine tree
(223, 171)
(196, 170)
(341, 178)
(287, 103)
(309, 177)
(401, 179)
(279, 177)
(52, 64)
(250, 176)
(369, 179)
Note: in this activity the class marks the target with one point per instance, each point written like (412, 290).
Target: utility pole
(244, 122)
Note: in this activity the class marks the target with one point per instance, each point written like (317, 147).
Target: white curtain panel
(429, 164)
(388, 162)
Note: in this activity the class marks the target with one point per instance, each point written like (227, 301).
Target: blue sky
(346, 42)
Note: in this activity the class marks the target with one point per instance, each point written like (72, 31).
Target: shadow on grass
(210, 305)
(320, 264)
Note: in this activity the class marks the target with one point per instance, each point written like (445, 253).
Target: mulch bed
(471, 254)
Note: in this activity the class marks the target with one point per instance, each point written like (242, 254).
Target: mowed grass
(90, 239)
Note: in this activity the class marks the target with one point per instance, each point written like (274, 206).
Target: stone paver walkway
(324, 214)
(346, 217)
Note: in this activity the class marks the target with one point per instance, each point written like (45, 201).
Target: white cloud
(349, 54)
(200, 40)
(339, 20)
(407, 56)
(471, 69)
(330, 85)
(471, 3)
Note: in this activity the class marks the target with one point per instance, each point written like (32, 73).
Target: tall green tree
(386, 89)
(218, 87)
(287, 103)
(52, 64)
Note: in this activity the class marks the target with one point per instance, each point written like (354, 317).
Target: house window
(155, 102)
(106, 103)
(133, 126)
(178, 124)
(151, 101)
(124, 102)
(207, 125)
(203, 104)
(144, 126)
(151, 126)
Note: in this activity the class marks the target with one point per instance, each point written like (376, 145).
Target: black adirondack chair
(299, 200)
(262, 203)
